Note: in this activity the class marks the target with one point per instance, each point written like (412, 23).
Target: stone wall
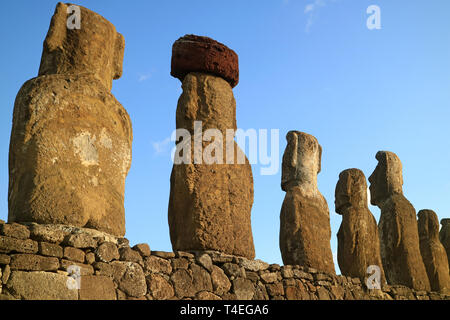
(35, 260)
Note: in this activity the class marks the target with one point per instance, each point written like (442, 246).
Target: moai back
(70, 148)
(305, 230)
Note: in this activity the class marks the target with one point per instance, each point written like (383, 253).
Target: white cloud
(311, 10)
(161, 146)
(144, 77)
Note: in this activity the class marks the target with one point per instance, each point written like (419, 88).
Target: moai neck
(387, 179)
(95, 49)
(301, 163)
(351, 192)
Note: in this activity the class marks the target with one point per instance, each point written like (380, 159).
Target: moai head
(95, 48)
(351, 190)
(428, 224)
(301, 161)
(387, 178)
(193, 53)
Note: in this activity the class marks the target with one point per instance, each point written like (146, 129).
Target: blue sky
(308, 65)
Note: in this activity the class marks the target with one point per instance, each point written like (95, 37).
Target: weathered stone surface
(70, 148)
(252, 265)
(40, 286)
(4, 259)
(358, 240)
(182, 281)
(46, 233)
(50, 249)
(32, 262)
(107, 252)
(398, 231)
(201, 280)
(85, 269)
(205, 261)
(74, 254)
(143, 249)
(8, 244)
(97, 288)
(202, 217)
(243, 289)
(90, 258)
(233, 270)
(155, 264)
(275, 289)
(221, 283)
(103, 269)
(130, 277)
(159, 287)
(305, 230)
(205, 295)
(433, 252)
(269, 277)
(193, 53)
(128, 254)
(444, 236)
(81, 240)
(14, 230)
(184, 254)
(180, 263)
(6, 274)
(163, 254)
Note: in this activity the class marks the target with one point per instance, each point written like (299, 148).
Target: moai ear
(292, 149)
(54, 40)
(118, 56)
(320, 159)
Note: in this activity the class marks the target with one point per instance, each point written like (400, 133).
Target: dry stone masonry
(433, 252)
(358, 240)
(210, 204)
(70, 148)
(305, 230)
(399, 236)
(34, 260)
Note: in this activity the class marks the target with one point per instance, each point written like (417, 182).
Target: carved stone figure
(70, 148)
(305, 230)
(210, 196)
(444, 236)
(399, 237)
(358, 240)
(433, 252)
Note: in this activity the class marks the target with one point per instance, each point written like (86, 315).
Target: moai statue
(399, 236)
(433, 252)
(211, 189)
(305, 230)
(70, 148)
(444, 236)
(358, 240)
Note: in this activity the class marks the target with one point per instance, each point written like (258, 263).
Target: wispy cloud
(144, 77)
(161, 146)
(311, 10)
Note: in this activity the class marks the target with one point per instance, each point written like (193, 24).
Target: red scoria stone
(193, 53)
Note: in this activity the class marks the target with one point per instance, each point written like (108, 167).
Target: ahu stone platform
(37, 262)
